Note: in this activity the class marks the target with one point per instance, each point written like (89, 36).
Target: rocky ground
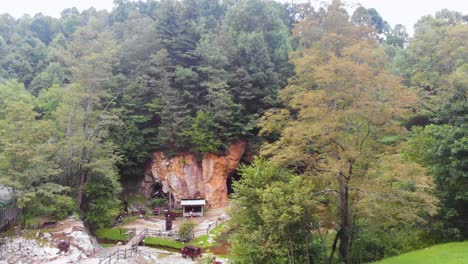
(34, 246)
(38, 247)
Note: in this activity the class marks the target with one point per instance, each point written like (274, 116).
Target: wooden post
(170, 200)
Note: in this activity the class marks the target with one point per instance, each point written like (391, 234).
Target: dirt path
(212, 217)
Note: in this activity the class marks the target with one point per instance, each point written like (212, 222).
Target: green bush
(371, 245)
(186, 230)
(158, 202)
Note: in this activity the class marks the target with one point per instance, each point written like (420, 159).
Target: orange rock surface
(185, 177)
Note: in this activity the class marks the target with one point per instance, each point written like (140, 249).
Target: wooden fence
(120, 254)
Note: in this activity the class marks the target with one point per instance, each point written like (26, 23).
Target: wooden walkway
(137, 238)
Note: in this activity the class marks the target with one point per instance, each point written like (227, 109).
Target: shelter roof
(193, 202)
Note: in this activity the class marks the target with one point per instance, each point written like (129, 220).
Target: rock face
(186, 177)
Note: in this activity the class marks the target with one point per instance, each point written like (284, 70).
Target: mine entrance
(157, 192)
(232, 177)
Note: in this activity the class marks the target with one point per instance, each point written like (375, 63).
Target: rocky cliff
(186, 177)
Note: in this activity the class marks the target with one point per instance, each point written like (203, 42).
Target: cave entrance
(232, 177)
(157, 192)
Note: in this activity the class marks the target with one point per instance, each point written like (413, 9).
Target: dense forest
(359, 131)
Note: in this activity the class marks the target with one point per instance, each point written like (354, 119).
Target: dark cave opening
(232, 177)
(157, 192)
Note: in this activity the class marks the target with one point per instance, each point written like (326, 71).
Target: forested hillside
(360, 132)
(92, 94)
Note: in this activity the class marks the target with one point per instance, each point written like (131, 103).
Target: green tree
(83, 117)
(443, 150)
(47, 200)
(274, 215)
(26, 145)
(202, 134)
(435, 64)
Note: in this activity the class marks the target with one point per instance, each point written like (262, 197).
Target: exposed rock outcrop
(43, 248)
(186, 177)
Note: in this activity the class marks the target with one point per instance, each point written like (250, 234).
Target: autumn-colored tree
(340, 126)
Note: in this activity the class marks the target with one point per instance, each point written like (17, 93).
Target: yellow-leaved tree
(340, 126)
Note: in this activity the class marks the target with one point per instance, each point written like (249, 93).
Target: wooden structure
(193, 207)
(8, 210)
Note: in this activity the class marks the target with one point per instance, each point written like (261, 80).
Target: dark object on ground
(142, 211)
(49, 224)
(159, 210)
(156, 211)
(125, 204)
(172, 215)
(63, 245)
(168, 224)
(119, 219)
(191, 251)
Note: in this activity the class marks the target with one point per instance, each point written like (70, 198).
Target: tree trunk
(80, 190)
(344, 217)
(335, 241)
(85, 152)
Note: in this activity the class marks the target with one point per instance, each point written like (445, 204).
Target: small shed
(193, 207)
(8, 210)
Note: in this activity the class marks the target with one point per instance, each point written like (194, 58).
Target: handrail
(133, 247)
(127, 253)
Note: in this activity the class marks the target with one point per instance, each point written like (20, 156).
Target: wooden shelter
(8, 210)
(193, 207)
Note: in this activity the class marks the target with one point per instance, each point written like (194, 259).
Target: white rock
(82, 241)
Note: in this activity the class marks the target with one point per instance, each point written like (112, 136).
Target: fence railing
(210, 226)
(120, 254)
(159, 233)
(129, 234)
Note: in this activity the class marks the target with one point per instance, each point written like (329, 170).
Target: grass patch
(163, 242)
(170, 243)
(129, 219)
(114, 234)
(34, 221)
(449, 253)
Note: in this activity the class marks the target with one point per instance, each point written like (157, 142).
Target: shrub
(158, 202)
(186, 230)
